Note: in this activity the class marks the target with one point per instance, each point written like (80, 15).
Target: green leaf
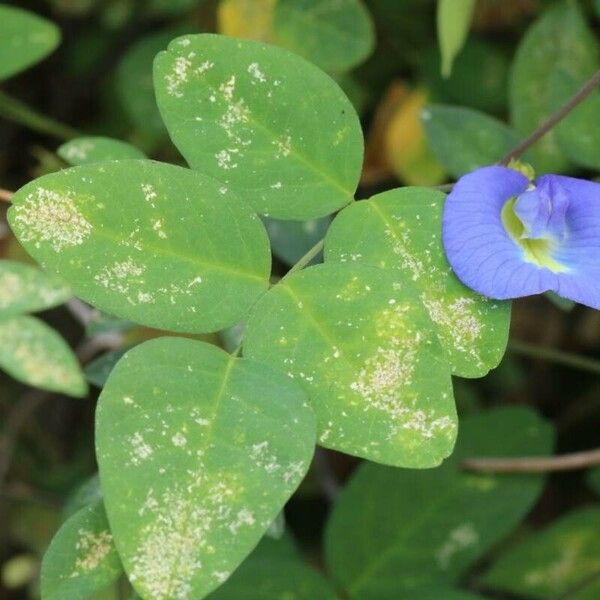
(98, 370)
(36, 355)
(401, 229)
(86, 150)
(554, 562)
(25, 39)
(393, 531)
(268, 573)
(453, 22)
(594, 479)
(335, 36)
(88, 492)
(291, 240)
(368, 358)
(134, 82)
(24, 288)
(274, 128)
(146, 241)
(463, 139)
(574, 135)
(81, 559)
(198, 452)
(559, 41)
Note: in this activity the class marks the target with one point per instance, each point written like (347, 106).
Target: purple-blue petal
(478, 247)
(580, 251)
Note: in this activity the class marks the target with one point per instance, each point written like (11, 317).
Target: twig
(81, 311)
(578, 97)
(534, 464)
(306, 258)
(17, 111)
(6, 195)
(556, 356)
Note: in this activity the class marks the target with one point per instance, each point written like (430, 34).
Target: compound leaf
(368, 358)
(146, 241)
(401, 229)
(208, 447)
(266, 123)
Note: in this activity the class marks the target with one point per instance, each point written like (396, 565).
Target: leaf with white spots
(24, 288)
(36, 355)
(336, 36)
(155, 243)
(368, 358)
(554, 562)
(198, 452)
(25, 39)
(266, 123)
(82, 558)
(401, 229)
(397, 529)
(86, 150)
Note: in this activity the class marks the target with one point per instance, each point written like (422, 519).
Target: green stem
(556, 356)
(18, 112)
(306, 258)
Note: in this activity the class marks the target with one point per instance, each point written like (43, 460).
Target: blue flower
(508, 237)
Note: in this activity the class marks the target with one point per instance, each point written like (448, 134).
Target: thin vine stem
(534, 464)
(304, 260)
(579, 96)
(555, 356)
(19, 112)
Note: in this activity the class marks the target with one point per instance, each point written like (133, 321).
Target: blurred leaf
(190, 257)
(234, 441)
(401, 229)
(35, 354)
(134, 81)
(269, 574)
(553, 563)
(32, 525)
(25, 39)
(89, 492)
(99, 369)
(170, 7)
(453, 22)
(562, 303)
(82, 558)
(247, 19)
(479, 79)
(273, 126)
(558, 41)
(396, 531)
(87, 150)
(19, 571)
(24, 288)
(360, 342)
(407, 150)
(464, 140)
(594, 479)
(575, 137)
(335, 36)
(291, 240)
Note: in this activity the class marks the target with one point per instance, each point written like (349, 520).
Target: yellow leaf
(248, 19)
(406, 149)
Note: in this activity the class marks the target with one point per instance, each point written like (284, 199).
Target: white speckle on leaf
(140, 450)
(51, 217)
(256, 73)
(463, 537)
(178, 76)
(92, 548)
(283, 146)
